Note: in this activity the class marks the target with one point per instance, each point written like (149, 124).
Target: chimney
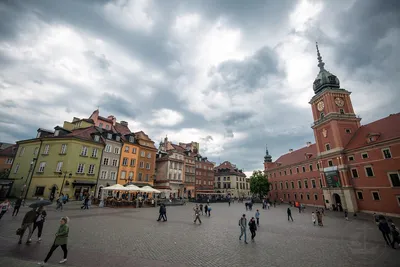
(75, 119)
(124, 123)
(308, 144)
(291, 150)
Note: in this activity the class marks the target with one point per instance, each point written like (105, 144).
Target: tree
(259, 184)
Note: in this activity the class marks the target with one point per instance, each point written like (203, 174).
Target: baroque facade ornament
(324, 132)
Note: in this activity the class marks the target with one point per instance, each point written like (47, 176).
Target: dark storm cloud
(117, 105)
(98, 61)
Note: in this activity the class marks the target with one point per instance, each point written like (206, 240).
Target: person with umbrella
(60, 240)
(29, 220)
(39, 221)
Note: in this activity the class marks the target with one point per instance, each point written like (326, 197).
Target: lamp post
(65, 176)
(31, 170)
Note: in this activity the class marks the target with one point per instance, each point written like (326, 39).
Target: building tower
(267, 157)
(334, 125)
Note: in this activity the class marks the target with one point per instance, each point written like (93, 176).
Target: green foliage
(4, 174)
(259, 184)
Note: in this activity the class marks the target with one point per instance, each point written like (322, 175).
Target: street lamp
(31, 170)
(65, 176)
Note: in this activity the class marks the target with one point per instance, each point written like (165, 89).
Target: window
(103, 175)
(96, 138)
(292, 184)
(21, 152)
(123, 174)
(81, 168)
(284, 172)
(84, 151)
(127, 149)
(351, 158)
(360, 195)
(330, 163)
(299, 184)
(281, 185)
(284, 196)
(39, 191)
(310, 167)
(386, 153)
(91, 169)
(131, 139)
(341, 111)
(46, 149)
(35, 152)
(297, 169)
(295, 196)
(117, 138)
(94, 153)
(16, 168)
(112, 176)
(369, 172)
(375, 195)
(107, 127)
(394, 179)
(305, 184)
(130, 177)
(304, 169)
(140, 176)
(146, 178)
(348, 131)
(149, 155)
(287, 185)
(142, 154)
(133, 162)
(116, 150)
(109, 136)
(301, 196)
(317, 166)
(42, 166)
(315, 197)
(59, 166)
(308, 196)
(141, 164)
(327, 147)
(321, 115)
(9, 161)
(313, 184)
(364, 155)
(320, 183)
(115, 162)
(148, 166)
(354, 173)
(134, 150)
(125, 162)
(108, 148)
(105, 161)
(101, 125)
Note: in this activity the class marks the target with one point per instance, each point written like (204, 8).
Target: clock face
(320, 105)
(339, 101)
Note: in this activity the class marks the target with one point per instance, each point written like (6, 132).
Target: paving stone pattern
(103, 237)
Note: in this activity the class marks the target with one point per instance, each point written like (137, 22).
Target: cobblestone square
(132, 237)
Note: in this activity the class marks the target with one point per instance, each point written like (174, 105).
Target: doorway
(338, 202)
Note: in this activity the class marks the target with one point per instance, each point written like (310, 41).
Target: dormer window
(117, 138)
(327, 147)
(38, 134)
(131, 139)
(109, 136)
(332, 79)
(96, 138)
(107, 126)
(57, 133)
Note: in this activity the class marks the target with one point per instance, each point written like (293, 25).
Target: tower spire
(321, 64)
(267, 157)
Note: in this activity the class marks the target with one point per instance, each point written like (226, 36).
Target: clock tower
(334, 125)
(334, 119)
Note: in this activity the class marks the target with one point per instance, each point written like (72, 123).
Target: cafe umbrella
(40, 203)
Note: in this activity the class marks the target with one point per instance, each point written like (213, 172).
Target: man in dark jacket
(163, 213)
(253, 228)
(39, 222)
(289, 214)
(27, 222)
(385, 229)
(17, 205)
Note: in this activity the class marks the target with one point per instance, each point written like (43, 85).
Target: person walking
(164, 212)
(59, 203)
(258, 217)
(242, 225)
(253, 228)
(85, 205)
(313, 217)
(160, 211)
(346, 214)
(201, 209)
(206, 209)
(39, 221)
(60, 240)
(395, 233)
(209, 210)
(4, 207)
(319, 218)
(17, 206)
(268, 205)
(289, 214)
(27, 222)
(196, 214)
(385, 230)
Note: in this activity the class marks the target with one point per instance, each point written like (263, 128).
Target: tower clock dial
(320, 106)
(339, 101)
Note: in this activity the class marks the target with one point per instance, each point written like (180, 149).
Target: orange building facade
(350, 166)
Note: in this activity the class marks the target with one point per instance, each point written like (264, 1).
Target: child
(258, 217)
(313, 218)
(346, 214)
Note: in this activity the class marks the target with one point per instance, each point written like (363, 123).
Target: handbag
(19, 231)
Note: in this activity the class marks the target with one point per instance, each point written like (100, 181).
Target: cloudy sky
(233, 75)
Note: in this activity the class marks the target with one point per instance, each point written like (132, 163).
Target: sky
(233, 75)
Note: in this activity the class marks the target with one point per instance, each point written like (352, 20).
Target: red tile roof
(297, 156)
(388, 128)
(231, 169)
(122, 129)
(9, 151)
(83, 133)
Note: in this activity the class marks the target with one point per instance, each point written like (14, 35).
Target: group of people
(6, 205)
(252, 226)
(388, 229)
(199, 209)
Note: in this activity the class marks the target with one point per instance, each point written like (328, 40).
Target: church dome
(324, 79)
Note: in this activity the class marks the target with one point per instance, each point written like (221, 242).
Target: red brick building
(204, 176)
(356, 166)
